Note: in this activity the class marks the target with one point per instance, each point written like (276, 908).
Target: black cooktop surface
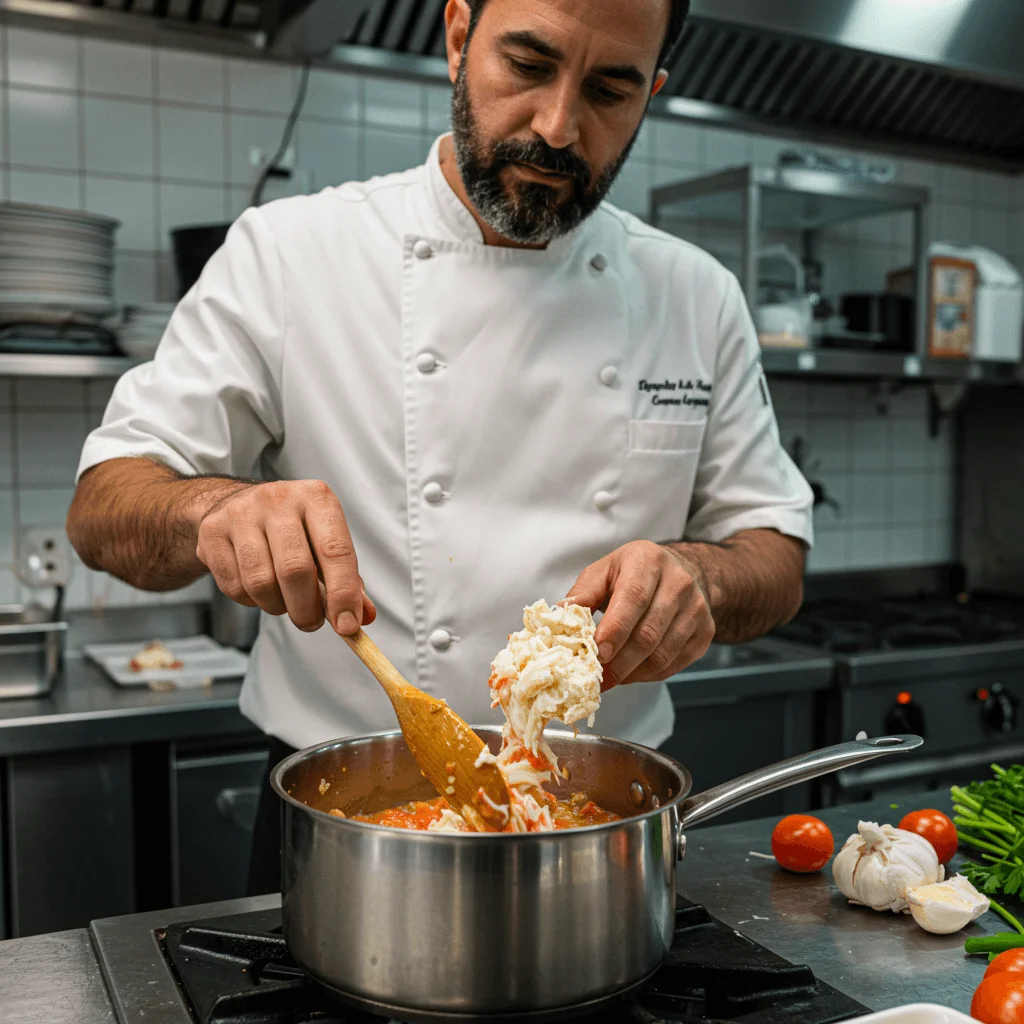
(237, 970)
(849, 626)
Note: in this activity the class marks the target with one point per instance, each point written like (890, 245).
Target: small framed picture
(951, 308)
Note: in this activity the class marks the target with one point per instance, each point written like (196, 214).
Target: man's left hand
(657, 615)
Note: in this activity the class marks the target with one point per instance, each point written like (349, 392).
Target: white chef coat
(492, 420)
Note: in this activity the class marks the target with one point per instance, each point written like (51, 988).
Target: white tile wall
(41, 59)
(893, 482)
(192, 143)
(114, 69)
(162, 138)
(119, 136)
(43, 129)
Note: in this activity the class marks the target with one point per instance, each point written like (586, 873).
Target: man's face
(549, 96)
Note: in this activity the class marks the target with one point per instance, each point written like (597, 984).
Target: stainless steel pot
(435, 926)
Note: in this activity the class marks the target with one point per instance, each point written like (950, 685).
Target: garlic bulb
(945, 907)
(879, 863)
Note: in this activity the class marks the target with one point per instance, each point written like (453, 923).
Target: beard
(526, 212)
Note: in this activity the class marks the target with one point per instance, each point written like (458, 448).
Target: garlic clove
(945, 907)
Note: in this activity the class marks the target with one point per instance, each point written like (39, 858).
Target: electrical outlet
(44, 557)
(259, 158)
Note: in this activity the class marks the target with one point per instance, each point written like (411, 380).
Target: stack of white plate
(142, 328)
(52, 259)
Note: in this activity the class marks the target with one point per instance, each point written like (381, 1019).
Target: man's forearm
(139, 520)
(753, 581)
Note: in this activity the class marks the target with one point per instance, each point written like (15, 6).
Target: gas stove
(236, 969)
(848, 626)
(950, 669)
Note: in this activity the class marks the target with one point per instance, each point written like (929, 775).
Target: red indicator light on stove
(982, 694)
(904, 697)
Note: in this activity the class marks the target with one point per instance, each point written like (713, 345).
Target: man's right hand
(269, 545)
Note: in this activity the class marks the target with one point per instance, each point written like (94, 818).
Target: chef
(452, 391)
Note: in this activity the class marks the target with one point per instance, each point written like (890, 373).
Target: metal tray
(203, 660)
(30, 651)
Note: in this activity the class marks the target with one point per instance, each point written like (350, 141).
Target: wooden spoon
(445, 747)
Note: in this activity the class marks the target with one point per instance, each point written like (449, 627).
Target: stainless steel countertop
(86, 709)
(761, 668)
(53, 979)
(882, 960)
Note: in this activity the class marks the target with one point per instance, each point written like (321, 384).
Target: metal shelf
(825, 362)
(761, 198)
(25, 365)
(791, 198)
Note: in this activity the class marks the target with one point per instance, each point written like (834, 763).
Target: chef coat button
(433, 492)
(604, 500)
(422, 250)
(599, 262)
(440, 639)
(426, 363)
(609, 376)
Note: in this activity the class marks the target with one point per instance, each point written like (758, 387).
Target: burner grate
(237, 970)
(854, 627)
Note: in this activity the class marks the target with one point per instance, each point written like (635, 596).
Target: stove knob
(903, 719)
(1000, 709)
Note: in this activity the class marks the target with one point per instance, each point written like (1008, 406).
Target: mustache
(564, 162)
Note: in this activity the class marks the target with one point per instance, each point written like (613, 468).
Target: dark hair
(680, 11)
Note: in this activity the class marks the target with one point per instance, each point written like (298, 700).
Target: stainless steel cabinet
(213, 806)
(68, 838)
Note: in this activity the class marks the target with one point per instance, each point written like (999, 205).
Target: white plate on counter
(917, 1013)
(203, 661)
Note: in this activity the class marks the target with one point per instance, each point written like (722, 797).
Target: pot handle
(702, 806)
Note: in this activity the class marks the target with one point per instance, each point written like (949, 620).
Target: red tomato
(934, 826)
(1009, 960)
(999, 999)
(802, 843)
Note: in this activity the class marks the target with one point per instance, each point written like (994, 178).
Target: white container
(917, 1013)
(785, 323)
(998, 302)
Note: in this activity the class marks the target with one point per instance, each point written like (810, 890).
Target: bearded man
(484, 381)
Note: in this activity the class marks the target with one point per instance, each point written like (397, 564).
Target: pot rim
(416, 835)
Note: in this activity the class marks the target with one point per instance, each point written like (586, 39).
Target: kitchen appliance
(55, 260)
(948, 668)
(864, 74)
(238, 968)
(503, 926)
(783, 314)
(31, 646)
(881, 313)
(766, 691)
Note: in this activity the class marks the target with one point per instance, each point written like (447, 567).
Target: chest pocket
(658, 475)
(665, 436)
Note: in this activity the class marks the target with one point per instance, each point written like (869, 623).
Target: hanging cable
(273, 164)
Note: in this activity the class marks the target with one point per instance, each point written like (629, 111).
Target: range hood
(931, 78)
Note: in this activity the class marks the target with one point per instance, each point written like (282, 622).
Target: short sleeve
(209, 402)
(745, 479)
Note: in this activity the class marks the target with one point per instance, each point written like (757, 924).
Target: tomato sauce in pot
(576, 812)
